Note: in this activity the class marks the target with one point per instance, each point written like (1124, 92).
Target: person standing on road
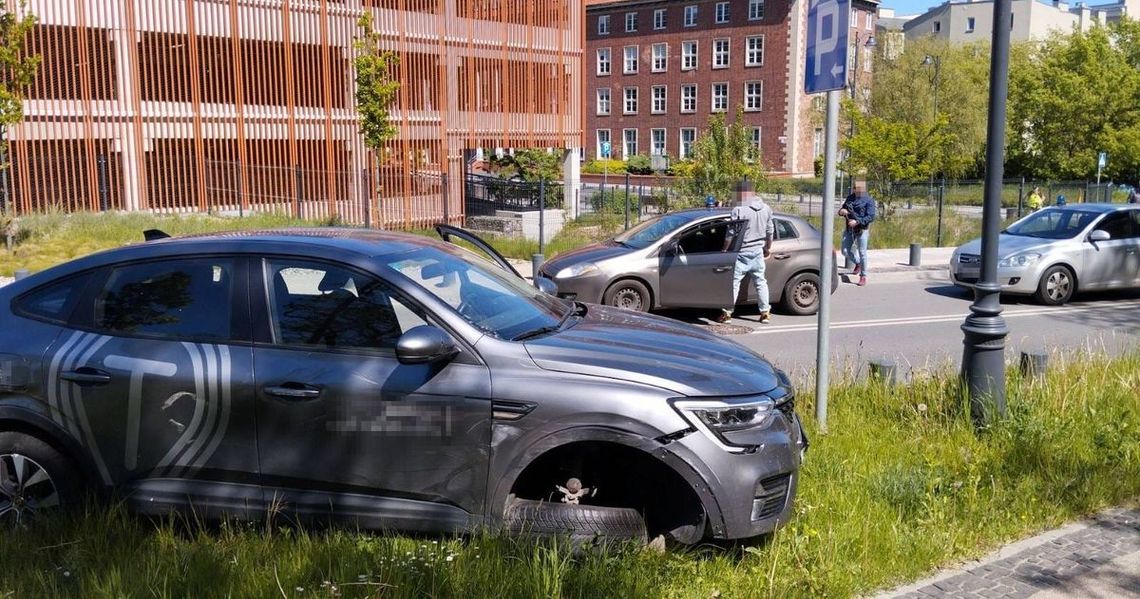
(1034, 201)
(859, 211)
(757, 230)
(1134, 197)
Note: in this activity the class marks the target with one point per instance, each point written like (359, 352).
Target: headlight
(1027, 259)
(716, 418)
(576, 270)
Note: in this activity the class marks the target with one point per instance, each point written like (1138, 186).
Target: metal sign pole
(823, 350)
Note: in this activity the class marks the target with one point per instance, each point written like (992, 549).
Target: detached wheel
(35, 480)
(628, 294)
(579, 522)
(1057, 286)
(801, 294)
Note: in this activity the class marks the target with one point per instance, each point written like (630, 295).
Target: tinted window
(784, 229)
(185, 299)
(706, 239)
(317, 304)
(648, 232)
(1118, 226)
(52, 301)
(1053, 223)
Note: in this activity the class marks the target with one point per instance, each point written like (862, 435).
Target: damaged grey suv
(380, 379)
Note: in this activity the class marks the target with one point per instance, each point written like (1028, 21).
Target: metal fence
(487, 195)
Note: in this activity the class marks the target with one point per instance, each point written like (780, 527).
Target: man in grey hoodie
(756, 245)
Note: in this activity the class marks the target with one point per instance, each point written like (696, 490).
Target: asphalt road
(914, 320)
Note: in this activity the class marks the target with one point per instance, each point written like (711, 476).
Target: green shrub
(597, 167)
(639, 165)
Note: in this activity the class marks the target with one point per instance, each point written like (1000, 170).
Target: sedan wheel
(628, 294)
(1056, 287)
(801, 294)
(34, 479)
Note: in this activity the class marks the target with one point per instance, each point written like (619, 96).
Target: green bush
(613, 201)
(639, 165)
(597, 167)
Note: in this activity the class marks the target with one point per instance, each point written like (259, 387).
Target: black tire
(630, 294)
(579, 522)
(801, 294)
(55, 483)
(1057, 286)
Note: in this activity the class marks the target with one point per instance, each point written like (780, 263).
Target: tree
(17, 70)
(722, 155)
(376, 85)
(886, 151)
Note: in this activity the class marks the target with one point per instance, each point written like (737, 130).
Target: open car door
(447, 232)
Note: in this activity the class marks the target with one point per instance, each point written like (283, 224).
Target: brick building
(655, 70)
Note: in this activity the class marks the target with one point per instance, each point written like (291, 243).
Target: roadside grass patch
(901, 485)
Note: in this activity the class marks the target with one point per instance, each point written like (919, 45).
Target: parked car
(382, 379)
(676, 260)
(1055, 252)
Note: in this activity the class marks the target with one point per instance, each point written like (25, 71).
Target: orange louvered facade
(237, 105)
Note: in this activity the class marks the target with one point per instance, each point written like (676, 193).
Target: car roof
(365, 242)
(1098, 208)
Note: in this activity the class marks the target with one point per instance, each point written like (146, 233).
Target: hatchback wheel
(801, 294)
(628, 294)
(35, 479)
(1057, 286)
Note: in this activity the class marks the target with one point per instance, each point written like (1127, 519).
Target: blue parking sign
(827, 45)
(605, 149)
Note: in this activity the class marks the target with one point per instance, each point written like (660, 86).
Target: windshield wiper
(579, 309)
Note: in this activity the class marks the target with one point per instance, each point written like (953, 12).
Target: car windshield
(1053, 223)
(652, 230)
(495, 301)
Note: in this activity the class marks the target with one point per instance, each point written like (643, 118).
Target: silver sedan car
(1053, 253)
(676, 261)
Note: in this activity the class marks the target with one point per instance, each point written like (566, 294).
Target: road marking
(886, 322)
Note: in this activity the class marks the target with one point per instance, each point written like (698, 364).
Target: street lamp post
(936, 62)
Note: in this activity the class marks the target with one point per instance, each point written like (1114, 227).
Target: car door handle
(294, 391)
(86, 377)
(721, 268)
(782, 256)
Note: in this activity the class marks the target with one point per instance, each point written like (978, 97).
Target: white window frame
(749, 96)
(869, 20)
(630, 22)
(750, 52)
(630, 67)
(755, 10)
(691, 15)
(659, 19)
(727, 54)
(684, 151)
(653, 149)
(724, 85)
(664, 99)
(625, 153)
(608, 101)
(690, 61)
(722, 14)
(608, 62)
(817, 142)
(756, 138)
(868, 58)
(598, 142)
(688, 98)
(664, 58)
(606, 20)
(625, 100)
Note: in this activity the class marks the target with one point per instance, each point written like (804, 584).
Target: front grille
(969, 280)
(771, 495)
(969, 259)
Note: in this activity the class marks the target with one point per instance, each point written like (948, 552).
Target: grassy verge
(901, 485)
(920, 226)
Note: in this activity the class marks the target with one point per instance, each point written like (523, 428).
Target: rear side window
(183, 299)
(52, 302)
(784, 229)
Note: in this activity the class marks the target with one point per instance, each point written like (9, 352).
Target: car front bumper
(588, 288)
(1020, 280)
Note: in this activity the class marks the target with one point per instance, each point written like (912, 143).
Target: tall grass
(901, 485)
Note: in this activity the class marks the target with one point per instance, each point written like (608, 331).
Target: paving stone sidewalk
(1099, 558)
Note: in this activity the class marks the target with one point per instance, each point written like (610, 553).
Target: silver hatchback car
(1054, 252)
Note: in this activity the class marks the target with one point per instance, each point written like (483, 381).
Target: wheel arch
(20, 420)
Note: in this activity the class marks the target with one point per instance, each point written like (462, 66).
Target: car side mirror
(546, 286)
(425, 344)
(1099, 235)
(670, 248)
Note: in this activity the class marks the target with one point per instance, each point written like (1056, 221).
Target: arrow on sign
(836, 70)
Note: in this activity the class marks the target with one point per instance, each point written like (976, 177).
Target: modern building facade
(657, 69)
(967, 21)
(233, 105)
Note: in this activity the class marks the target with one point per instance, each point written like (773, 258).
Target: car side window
(705, 239)
(52, 302)
(329, 306)
(183, 299)
(784, 229)
(1118, 225)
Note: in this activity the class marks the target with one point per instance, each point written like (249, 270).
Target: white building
(966, 21)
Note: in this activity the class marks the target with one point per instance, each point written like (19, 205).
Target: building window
(657, 137)
(688, 98)
(870, 21)
(630, 100)
(721, 12)
(756, 141)
(753, 95)
(604, 62)
(630, 22)
(629, 145)
(938, 27)
(817, 141)
(854, 18)
(755, 55)
(659, 99)
(603, 100)
(970, 24)
(755, 10)
(659, 18)
(867, 56)
(630, 63)
(719, 97)
(720, 54)
(690, 16)
(603, 138)
(688, 136)
(604, 25)
(1011, 21)
(660, 58)
(688, 56)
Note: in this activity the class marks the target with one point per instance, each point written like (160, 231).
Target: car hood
(595, 252)
(1009, 245)
(624, 345)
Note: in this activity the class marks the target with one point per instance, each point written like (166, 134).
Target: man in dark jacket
(859, 212)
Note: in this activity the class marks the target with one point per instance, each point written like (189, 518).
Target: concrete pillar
(571, 182)
(127, 141)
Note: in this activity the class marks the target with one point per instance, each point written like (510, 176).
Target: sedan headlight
(1017, 260)
(718, 418)
(576, 270)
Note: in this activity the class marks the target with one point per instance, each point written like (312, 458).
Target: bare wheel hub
(26, 488)
(628, 298)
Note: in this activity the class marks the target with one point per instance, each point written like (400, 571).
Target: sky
(909, 7)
